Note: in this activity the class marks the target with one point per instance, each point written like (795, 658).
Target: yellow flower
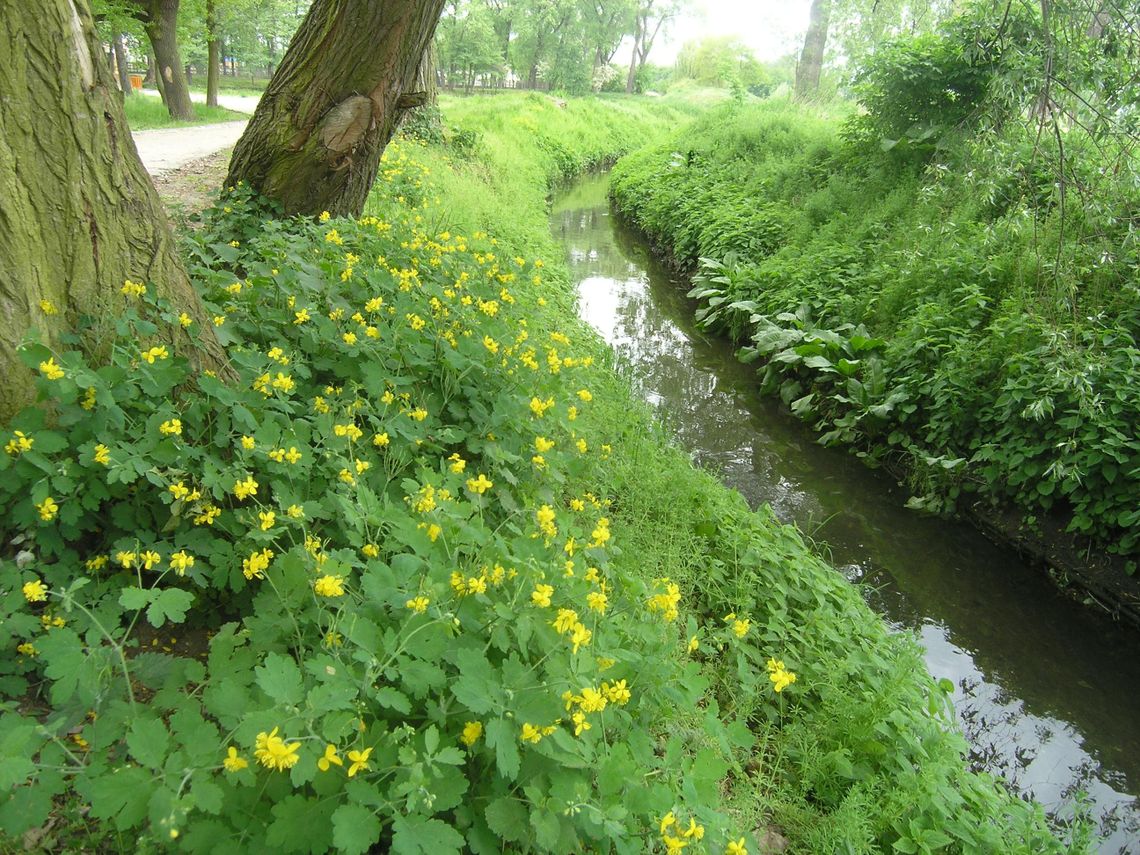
(580, 723)
(695, 831)
(154, 354)
(50, 370)
(472, 730)
(255, 566)
(244, 488)
(585, 396)
(171, 427)
(219, 320)
(530, 733)
(370, 550)
(433, 532)
(234, 762)
(617, 693)
(540, 596)
(48, 307)
(27, 649)
(102, 455)
(19, 443)
(380, 440)
(324, 217)
(268, 519)
(580, 636)
(149, 559)
(359, 761)
(294, 512)
(301, 316)
(597, 602)
(736, 847)
(329, 759)
(781, 679)
(48, 509)
(274, 753)
(126, 559)
(544, 516)
(667, 822)
(329, 586)
(132, 289)
(458, 464)
(35, 591)
(184, 320)
(181, 561)
(740, 627)
(349, 338)
(694, 643)
(479, 485)
(347, 477)
(293, 456)
(418, 604)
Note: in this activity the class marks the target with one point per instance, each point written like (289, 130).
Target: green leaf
(123, 796)
(280, 678)
(170, 604)
(135, 598)
(507, 817)
(148, 741)
(501, 737)
(332, 696)
(355, 829)
(476, 687)
(547, 828)
(416, 834)
(394, 699)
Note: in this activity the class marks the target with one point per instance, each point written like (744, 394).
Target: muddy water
(1048, 693)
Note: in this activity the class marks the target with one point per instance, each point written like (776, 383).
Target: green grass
(145, 112)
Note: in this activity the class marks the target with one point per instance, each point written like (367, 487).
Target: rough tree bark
(213, 54)
(815, 43)
(78, 212)
(160, 20)
(315, 141)
(120, 50)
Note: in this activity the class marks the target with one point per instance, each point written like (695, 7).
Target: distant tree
(815, 43)
(349, 74)
(160, 21)
(651, 18)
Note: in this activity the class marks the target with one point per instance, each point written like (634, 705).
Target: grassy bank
(914, 309)
(439, 581)
(145, 112)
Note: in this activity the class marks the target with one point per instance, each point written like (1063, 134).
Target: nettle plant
(363, 593)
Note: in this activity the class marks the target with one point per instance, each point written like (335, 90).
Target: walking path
(164, 149)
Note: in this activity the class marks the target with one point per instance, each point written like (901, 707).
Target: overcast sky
(771, 28)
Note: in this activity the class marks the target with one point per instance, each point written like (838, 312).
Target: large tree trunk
(78, 213)
(213, 51)
(120, 51)
(160, 20)
(815, 43)
(631, 78)
(315, 141)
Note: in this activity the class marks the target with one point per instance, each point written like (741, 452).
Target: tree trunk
(631, 78)
(78, 215)
(315, 141)
(120, 51)
(160, 20)
(815, 43)
(213, 51)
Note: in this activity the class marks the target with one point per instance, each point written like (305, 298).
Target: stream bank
(1051, 711)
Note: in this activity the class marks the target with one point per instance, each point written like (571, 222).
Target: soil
(192, 187)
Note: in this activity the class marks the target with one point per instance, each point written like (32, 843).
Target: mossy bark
(315, 141)
(78, 212)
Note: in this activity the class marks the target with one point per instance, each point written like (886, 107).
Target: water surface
(1048, 693)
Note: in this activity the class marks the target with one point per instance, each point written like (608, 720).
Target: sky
(772, 28)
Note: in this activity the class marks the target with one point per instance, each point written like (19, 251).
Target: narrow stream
(1047, 693)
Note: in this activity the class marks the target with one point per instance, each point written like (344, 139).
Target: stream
(1047, 692)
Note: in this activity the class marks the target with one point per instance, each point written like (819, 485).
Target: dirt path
(164, 149)
(193, 186)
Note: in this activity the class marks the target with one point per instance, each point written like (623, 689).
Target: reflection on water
(1046, 692)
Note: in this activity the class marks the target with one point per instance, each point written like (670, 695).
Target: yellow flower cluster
(19, 443)
(50, 370)
(666, 601)
(274, 752)
(780, 676)
(255, 566)
(675, 836)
